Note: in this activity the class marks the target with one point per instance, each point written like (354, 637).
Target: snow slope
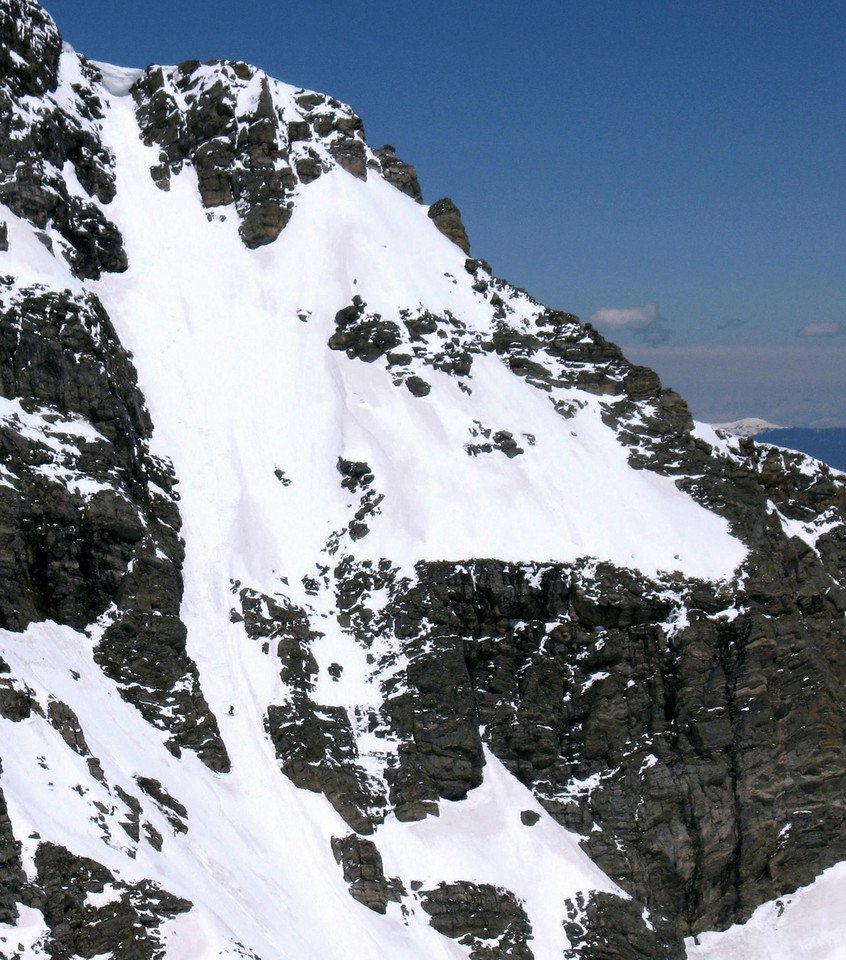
(805, 925)
(231, 349)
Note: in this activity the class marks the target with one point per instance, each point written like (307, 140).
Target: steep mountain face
(353, 602)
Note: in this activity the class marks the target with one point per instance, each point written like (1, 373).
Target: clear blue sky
(605, 154)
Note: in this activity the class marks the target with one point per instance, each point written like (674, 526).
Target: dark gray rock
(174, 811)
(350, 155)
(398, 173)
(477, 913)
(273, 619)
(69, 557)
(318, 752)
(127, 927)
(418, 387)
(35, 146)
(363, 871)
(361, 335)
(602, 926)
(12, 876)
(447, 218)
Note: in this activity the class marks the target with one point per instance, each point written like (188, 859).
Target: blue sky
(680, 163)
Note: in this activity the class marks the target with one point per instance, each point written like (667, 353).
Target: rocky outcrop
(123, 920)
(363, 336)
(12, 876)
(487, 919)
(318, 752)
(651, 710)
(89, 517)
(602, 926)
(447, 218)
(40, 140)
(362, 866)
(252, 141)
(402, 175)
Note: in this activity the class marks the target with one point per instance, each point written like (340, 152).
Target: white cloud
(633, 318)
(822, 329)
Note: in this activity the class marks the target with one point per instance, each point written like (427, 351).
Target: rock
(69, 557)
(363, 336)
(317, 752)
(126, 926)
(363, 871)
(4, 237)
(478, 913)
(602, 926)
(35, 146)
(398, 173)
(418, 387)
(174, 811)
(447, 218)
(350, 155)
(12, 876)
(63, 719)
(529, 818)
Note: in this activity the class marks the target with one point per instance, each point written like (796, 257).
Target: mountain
(354, 603)
(746, 427)
(826, 443)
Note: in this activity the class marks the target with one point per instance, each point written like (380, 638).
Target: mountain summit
(355, 604)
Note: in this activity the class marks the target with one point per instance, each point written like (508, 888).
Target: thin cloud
(823, 329)
(731, 323)
(655, 335)
(632, 318)
(644, 323)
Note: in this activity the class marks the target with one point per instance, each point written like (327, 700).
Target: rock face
(90, 516)
(363, 871)
(322, 695)
(125, 925)
(402, 175)
(487, 920)
(251, 144)
(39, 140)
(602, 927)
(447, 218)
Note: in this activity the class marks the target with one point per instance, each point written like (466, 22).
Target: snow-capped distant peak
(746, 426)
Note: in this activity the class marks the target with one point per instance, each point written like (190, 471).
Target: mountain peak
(355, 602)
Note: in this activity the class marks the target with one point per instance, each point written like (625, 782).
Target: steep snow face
(240, 338)
(256, 859)
(255, 411)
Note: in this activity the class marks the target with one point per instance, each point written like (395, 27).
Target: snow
(239, 387)
(807, 925)
(256, 860)
(117, 80)
(542, 865)
(746, 427)
(226, 317)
